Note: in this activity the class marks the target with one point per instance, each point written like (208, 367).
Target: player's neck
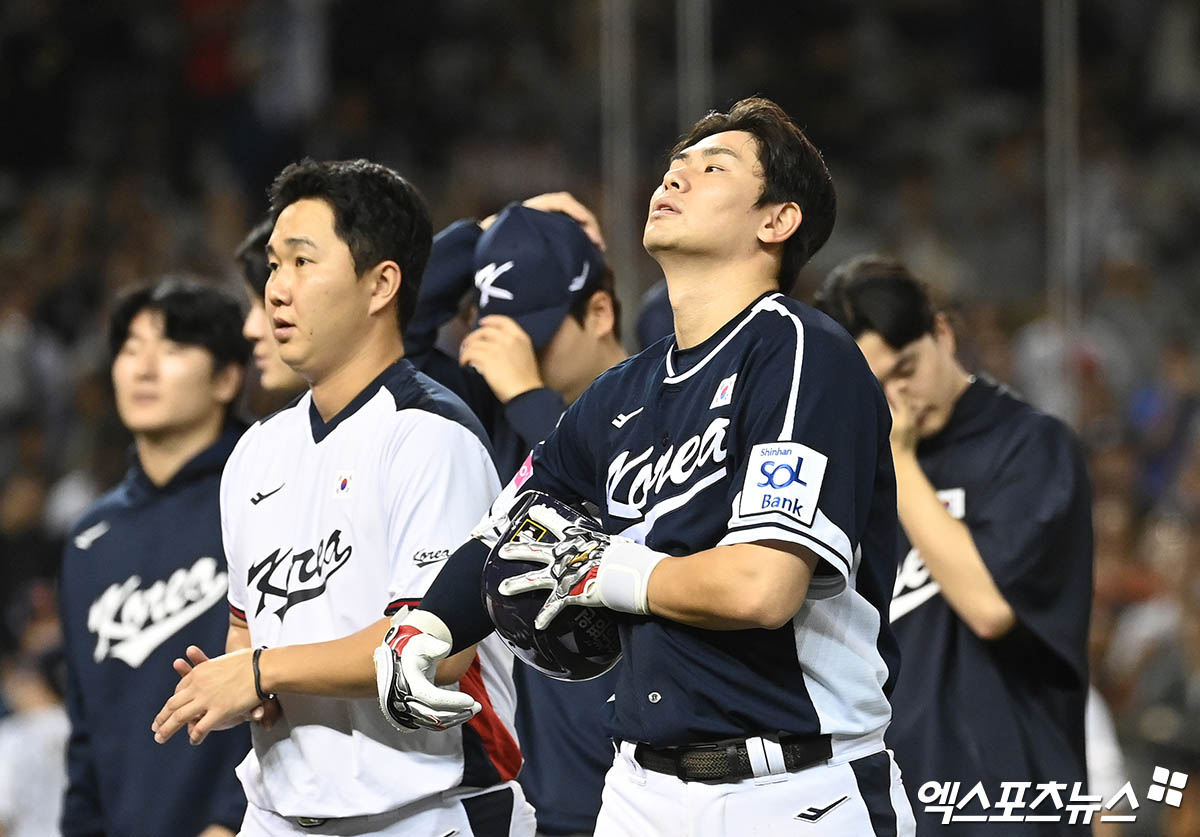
(363, 363)
(707, 295)
(161, 455)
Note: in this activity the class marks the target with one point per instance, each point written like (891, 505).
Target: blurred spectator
(33, 743)
(1162, 414)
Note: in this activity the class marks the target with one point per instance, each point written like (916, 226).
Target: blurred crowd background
(139, 137)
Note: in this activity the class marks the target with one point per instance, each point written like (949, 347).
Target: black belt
(728, 761)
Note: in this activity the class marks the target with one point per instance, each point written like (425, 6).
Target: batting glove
(582, 567)
(405, 665)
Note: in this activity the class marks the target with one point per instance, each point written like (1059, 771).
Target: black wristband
(258, 676)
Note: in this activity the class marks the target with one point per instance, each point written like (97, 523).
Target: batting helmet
(581, 642)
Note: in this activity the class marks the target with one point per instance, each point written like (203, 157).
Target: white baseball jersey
(328, 526)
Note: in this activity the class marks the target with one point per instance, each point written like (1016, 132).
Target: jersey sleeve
(234, 567)
(804, 448)
(534, 414)
(1033, 530)
(82, 815)
(439, 483)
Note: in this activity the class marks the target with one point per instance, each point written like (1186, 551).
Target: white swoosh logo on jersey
(91, 534)
(136, 649)
(906, 603)
(621, 419)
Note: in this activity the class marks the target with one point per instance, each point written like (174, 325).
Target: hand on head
(568, 205)
(502, 353)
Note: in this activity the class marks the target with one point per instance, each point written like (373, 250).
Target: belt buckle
(310, 822)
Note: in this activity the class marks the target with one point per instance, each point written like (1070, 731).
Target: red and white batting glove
(405, 665)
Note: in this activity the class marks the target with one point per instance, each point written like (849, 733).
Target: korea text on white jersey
(330, 525)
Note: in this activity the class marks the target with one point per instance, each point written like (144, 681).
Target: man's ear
(781, 223)
(385, 279)
(227, 382)
(600, 318)
(943, 334)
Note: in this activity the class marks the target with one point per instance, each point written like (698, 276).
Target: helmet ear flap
(581, 642)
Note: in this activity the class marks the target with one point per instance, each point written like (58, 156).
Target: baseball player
(548, 326)
(338, 511)
(742, 470)
(994, 589)
(144, 571)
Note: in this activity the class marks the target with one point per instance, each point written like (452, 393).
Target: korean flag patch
(783, 478)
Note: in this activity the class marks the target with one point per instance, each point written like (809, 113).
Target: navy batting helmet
(581, 642)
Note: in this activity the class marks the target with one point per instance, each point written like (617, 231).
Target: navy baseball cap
(533, 266)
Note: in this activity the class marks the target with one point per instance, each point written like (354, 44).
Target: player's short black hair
(793, 170)
(607, 283)
(877, 293)
(251, 256)
(376, 212)
(195, 313)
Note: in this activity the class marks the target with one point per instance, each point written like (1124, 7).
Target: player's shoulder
(786, 337)
(99, 517)
(1025, 427)
(272, 428)
(417, 401)
(783, 320)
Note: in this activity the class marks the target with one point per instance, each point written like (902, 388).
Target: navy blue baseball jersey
(970, 710)
(772, 429)
(144, 576)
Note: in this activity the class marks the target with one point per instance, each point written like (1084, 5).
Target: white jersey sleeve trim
(789, 417)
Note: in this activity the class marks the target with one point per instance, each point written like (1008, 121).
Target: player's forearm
(731, 588)
(237, 637)
(337, 668)
(950, 554)
(454, 596)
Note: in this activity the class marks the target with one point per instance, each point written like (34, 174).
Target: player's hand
(215, 694)
(905, 431)
(583, 567)
(567, 204)
(502, 353)
(266, 713)
(216, 831)
(405, 665)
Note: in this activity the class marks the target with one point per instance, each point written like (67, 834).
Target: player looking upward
(994, 590)
(338, 511)
(743, 473)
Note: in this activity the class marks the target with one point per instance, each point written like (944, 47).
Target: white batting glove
(584, 567)
(405, 665)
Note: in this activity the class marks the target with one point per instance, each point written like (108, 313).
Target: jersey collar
(683, 363)
(322, 428)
